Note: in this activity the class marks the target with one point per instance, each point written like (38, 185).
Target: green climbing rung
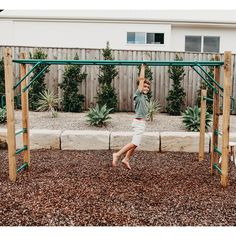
(208, 99)
(217, 168)
(22, 167)
(217, 132)
(24, 130)
(217, 150)
(18, 151)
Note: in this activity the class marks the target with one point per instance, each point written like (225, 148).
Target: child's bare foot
(115, 159)
(126, 163)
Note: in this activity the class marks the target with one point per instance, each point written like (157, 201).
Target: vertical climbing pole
(11, 139)
(202, 125)
(226, 118)
(25, 112)
(215, 125)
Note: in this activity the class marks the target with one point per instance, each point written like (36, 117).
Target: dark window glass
(193, 43)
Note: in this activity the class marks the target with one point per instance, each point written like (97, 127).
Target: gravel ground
(120, 122)
(80, 188)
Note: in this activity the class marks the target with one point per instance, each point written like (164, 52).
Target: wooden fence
(125, 83)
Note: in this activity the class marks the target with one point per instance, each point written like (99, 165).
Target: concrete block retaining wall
(104, 140)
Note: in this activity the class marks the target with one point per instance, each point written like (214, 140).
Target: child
(139, 122)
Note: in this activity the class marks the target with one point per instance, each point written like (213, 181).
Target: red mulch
(81, 188)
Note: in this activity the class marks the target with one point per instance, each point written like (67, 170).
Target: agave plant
(48, 102)
(98, 116)
(192, 117)
(153, 108)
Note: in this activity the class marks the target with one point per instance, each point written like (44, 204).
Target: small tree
(72, 101)
(148, 75)
(106, 94)
(38, 86)
(209, 91)
(176, 95)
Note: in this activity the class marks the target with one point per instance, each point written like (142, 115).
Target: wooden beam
(226, 117)
(215, 125)
(25, 111)
(142, 71)
(11, 138)
(202, 125)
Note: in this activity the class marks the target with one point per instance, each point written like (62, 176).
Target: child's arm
(141, 78)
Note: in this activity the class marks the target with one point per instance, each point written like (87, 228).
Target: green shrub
(106, 94)
(72, 101)
(98, 116)
(3, 115)
(38, 86)
(2, 81)
(153, 108)
(176, 95)
(48, 101)
(192, 117)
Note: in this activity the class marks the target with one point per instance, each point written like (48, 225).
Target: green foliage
(38, 86)
(3, 115)
(209, 90)
(192, 117)
(98, 116)
(148, 76)
(107, 94)
(48, 102)
(72, 101)
(176, 95)
(2, 80)
(153, 108)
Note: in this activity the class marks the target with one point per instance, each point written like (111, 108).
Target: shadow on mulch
(80, 188)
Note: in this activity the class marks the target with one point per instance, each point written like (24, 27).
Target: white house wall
(78, 34)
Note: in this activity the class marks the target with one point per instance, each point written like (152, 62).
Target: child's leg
(123, 150)
(128, 157)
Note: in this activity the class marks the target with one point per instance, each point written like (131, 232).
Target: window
(135, 38)
(211, 44)
(145, 38)
(193, 43)
(155, 38)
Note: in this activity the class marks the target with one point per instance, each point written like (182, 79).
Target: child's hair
(146, 81)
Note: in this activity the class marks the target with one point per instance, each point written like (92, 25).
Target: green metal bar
(218, 151)
(25, 165)
(212, 79)
(19, 82)
(208, 99)
(207, 82)
(24, 130)
(26, 87)
(217, 132)
(120, 63)
(217, 168)
(18, 151)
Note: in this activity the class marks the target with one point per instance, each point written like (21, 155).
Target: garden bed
(81, 188)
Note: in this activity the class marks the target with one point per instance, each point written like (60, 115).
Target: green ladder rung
(217, 168)
(217, 132)
(24, 130)
(208, 99)
(18, 151)
(22, 167)
(217, 150)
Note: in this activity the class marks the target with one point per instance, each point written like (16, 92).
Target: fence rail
(125, 83)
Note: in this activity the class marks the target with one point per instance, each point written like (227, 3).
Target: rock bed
(81, 188)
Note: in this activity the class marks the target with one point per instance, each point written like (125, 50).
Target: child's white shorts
(138, 129)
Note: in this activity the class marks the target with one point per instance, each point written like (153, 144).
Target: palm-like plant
(153, 108)
(48, 102)
(98, 116)
(192, 117)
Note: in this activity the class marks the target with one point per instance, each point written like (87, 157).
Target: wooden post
(202, 125)
(142, 71)
(216, 114)
(226, 118)
(11, 138)
(25, 111)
